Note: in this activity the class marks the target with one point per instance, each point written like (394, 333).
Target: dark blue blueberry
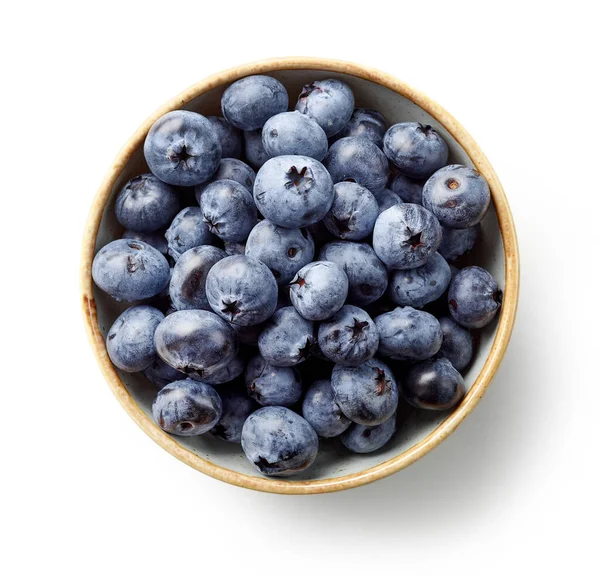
(248, 335)
(187, 231)
(405, 236)
(365, 123)
(230, 169)
(367, 394)
(236, 409)
(387, 198)
(287, 338)
(155, 239)
(292, 133)
(321, 412)
(319, 290)
(272, 385)
(329, 102)
(453, 270)
(130, 270)
(474, 297)
(182, 148)
(353, 212)
(349, 338)
(416, 150)
(319, 233)
(279, 442)
(160, 373)
(364, 439)
(242, 290)
(226, 373)
(408, 189)
(234, 248)
(187, 408)
(229, 136)
(457, 241)
(283, 250)
(457, 343)
(254, 150)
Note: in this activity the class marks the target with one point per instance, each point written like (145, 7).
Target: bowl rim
(449, 424)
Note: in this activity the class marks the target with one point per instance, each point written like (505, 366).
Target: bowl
(418, 431)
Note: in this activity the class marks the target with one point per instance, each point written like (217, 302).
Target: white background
(513, 491)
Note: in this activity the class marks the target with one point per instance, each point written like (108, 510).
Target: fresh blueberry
(160, 373)
(416, 150)
(458, 241)
(408, 334)
(408, 189)
(358, 160)
(349, 338)
(287, 338)
(329, 102)
(234, 248)
(292, 133)
(187, 408)
(319, 290)
(405, 236)
(279, 442)
(229, 136)
(187, 231)
(254, 150)
(365, 123)
(182, 148)
(236, 408)
(272, 385)
(283, 250)
(433, 385)
(457, 343)
(130, 270)
(367, 276)
(321, 412)
(387, 198)
(367, 394)
(353, 212)
(155, 239)
(364, 439)
(474, 297)
(230, 169)
(226, 373)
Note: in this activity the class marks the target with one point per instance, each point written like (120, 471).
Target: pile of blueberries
(304, 300)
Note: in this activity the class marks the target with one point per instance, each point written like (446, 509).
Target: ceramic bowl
(419, 431)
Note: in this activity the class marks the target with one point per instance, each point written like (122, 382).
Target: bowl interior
(413, 425)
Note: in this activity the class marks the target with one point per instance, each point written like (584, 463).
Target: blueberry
(405, 236)
(367, 394)
(195, 341)
(474, 297)
(319, 290)
(349, 338)
(358, 160)
(329, 102)
(279, 442)
(433, 385)
(408, 189)
(283, 250)
(187, 408)
(182, 148)
(457, 343)
(417, 150)
(155, 239)
(226, 373)
(230, 169)
(229, 136)
(286, 339)
(187, 231)
(408, 334)
(236, 409)
(353, 212)
(130, 270)
(272, 385)
(248, 335)
(292, 133)
(387, 198)
(364, 439)
(241, 290)
(367, 276)
(321, 412)
(160, 373)
(365, 123)
(130, 340)
(254, 150)
(419, 286)
(146, 204)
(234, 248)
(456, 241)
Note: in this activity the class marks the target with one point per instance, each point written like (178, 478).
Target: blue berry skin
(236, 409)
(283, 250)
(329, 102)
(187, 231)
(353, 212)
(365, 439)
(187, 289)
(228, 210)
(321, 412)
(272, 385)
(416, 150)
(293, 191)
(130, 340)
(433, 385)
(405, 236)
(365, 123)
(230, 169)
(130, 270)
(367, 276)
(226, 373)
(160, 373)
(387, 198)
(319, 290)
(474, 297)
(349, 338)
(145, 204)
(182, 148)
(187, 408)
(457, 343)
(229, 136)
(456, 241)
(279, 442)
(292, 133)
(419, 286)
(358, 160)
(367, 394)
(408, 334)
(287, 338)
(234, 248)
(195, 342)
(155, 239)
(254, 150)
(408, 189)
